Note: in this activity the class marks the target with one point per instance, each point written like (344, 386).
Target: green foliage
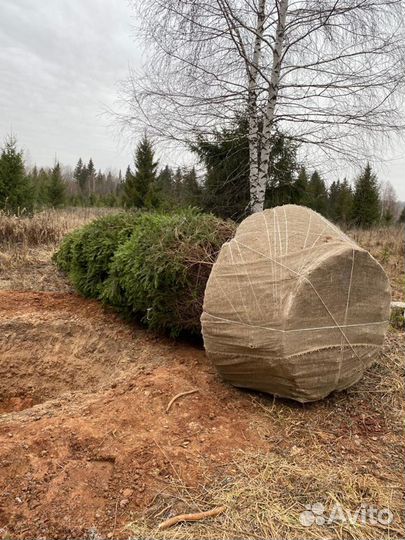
(281, 188)
(165, 183)
(56, 188)
(65, 254)
(340, 205)
(301, 188)
(80, 175)
(366, 200)
(225, 155)
(317, 194)
(15, 186)
(86, 254)
(141, 189)
(160, 273)
(226, 158)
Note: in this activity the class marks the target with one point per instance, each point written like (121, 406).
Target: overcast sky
(60, 62)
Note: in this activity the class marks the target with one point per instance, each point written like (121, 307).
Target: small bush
(161, 272)
(85, 254)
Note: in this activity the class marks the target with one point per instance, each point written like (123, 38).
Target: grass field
(88, 450)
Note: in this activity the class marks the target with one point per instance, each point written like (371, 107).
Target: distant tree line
(222, 189)
(225, 187)
(25, 189)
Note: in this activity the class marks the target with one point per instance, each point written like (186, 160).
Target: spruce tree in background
(80, 175)
(366, 200)
(165, 183)
(91, 177)
(16, 193)
(340, 206)
(283, 168)
(317, 194)
(140, 189)
(128, 188)
(191, 188)
(225, 155)
(178, 186)
(301, 187)
(334, 190)
(344, 203)
(56, 188)
(402, 216)
(41, 189)
(226, 159)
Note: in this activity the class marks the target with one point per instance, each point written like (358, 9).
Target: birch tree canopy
(328, 74)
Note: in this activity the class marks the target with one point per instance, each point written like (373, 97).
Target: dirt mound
(104, 446)
(54, 343)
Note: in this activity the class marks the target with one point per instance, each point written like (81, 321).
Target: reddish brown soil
(104, 445)
(86, 445)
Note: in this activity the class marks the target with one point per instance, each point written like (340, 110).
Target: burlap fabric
(293, 306)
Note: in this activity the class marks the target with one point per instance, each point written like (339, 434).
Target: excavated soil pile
(87, 440)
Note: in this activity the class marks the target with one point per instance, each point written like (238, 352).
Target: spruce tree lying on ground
(160, 274)
(85, 255)
(150, 266)
(64, 256)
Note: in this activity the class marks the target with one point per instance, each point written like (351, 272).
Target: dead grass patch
(47, 227)
(387, 245)
(28, 242)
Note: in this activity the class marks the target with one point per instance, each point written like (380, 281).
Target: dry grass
(345, 450)
(266, 493)
(47, 227)
(27, 244)
(387, 245)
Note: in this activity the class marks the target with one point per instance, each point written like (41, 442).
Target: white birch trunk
(268, 119)
(252, 104)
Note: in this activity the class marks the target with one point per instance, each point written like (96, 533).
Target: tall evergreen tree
(191, 188)
(282, 171)
(225, 154)
(334, 190)
(80, 175)
(56, 188)
(91, 176)
(401, 218)
(344, 203)
(178, 186)
(140, 189)
(165, 183)
(301, 187)
(317, 194)
(128, 189)
(366, 200)
(41, 190)
(16, 192)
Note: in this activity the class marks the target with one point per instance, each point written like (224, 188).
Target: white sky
(60, 63)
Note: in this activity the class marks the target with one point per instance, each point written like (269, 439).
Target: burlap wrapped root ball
(293, 306)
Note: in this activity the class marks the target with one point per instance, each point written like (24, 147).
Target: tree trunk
(268, 118)
(252, 106)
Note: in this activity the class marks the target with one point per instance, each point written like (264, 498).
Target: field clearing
(87, 449)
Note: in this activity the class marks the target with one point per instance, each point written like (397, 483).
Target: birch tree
(328, 74)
